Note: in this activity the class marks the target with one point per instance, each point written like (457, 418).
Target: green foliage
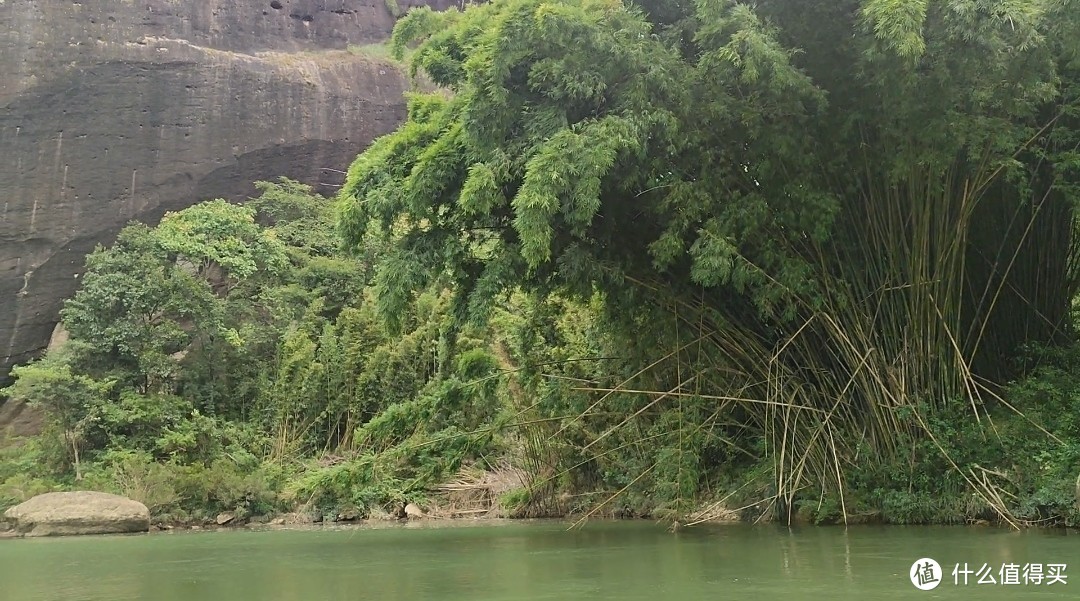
(579, 112)
(214, 353)
(1034, 472)
(840, 214)
(654, 252)
(67, 397)
(199, 490)
(515, 500)
(24, 473)
(364, 482)
(219, 234)
(898, 24)
(22, 487)
(136, 308)
(225, 485)
(136, 475)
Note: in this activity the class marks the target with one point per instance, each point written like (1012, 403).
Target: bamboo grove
(850, 217)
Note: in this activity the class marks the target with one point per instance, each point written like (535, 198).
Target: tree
(136, 309)
(68, 399)
(157, 292)
(217, 234)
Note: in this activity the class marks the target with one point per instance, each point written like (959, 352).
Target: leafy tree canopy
(709, 143)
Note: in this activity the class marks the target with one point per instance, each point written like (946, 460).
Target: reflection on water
(538, 560)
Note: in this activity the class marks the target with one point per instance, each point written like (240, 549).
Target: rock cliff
(114, 110)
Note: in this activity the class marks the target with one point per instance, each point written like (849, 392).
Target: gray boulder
(82, 512)
(413, 512)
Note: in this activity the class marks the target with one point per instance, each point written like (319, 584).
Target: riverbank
(444, 511)
(706, 516)
(226, 495)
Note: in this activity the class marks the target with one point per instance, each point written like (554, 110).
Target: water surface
(623, 561)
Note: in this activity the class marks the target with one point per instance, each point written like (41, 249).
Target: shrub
(135, 475)
(226, 486)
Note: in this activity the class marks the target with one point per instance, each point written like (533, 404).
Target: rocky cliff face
(114, 110)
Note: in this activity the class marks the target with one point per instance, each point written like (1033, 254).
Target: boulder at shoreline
(73, 513)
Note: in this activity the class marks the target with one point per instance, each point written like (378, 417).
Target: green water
(540, 560)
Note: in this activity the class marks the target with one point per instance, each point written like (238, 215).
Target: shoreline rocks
(413, 512)
(78, 513)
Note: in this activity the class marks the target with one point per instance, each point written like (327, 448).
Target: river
(621, 561)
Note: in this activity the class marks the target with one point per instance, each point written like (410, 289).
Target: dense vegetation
(810, 258)
(223, 360)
